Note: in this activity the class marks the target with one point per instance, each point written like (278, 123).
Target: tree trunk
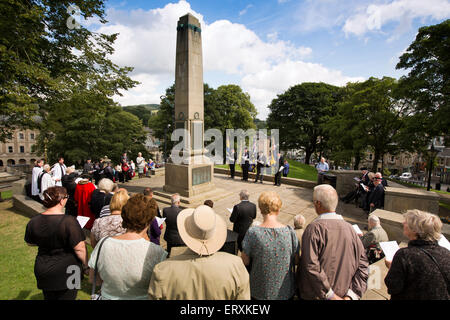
(357, 161)
(376, 158)
(307, 156)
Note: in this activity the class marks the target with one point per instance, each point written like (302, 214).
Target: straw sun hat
(202, 230)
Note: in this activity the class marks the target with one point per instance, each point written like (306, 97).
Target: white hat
(202, 230)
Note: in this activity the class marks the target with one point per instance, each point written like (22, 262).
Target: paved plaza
(296, 200)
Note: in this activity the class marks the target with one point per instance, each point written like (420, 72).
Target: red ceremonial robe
(83, 195)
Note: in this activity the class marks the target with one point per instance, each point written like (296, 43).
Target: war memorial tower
(194, 175)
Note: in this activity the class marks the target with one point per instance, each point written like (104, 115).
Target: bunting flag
(228, 154)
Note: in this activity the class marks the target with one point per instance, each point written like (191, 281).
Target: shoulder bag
(95, 296)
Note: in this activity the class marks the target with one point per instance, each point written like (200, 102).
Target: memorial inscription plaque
(201, 175)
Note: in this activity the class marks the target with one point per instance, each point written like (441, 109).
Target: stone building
(17, 151)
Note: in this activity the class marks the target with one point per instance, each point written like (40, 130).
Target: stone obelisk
(194, 175)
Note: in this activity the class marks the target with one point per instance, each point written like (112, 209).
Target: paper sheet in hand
(357, 229)
(389, 248)
(160, 221)
(357, 179)
(230, 210)
(82, 221)
(281, 169)
(443, 242)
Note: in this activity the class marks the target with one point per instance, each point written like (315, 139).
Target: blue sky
(268, 46)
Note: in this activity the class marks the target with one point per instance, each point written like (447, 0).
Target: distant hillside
(143, 111)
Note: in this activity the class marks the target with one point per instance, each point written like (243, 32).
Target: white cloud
(146, 92)
(375, 16)
(147, 40)
(244, 11)
(264, 85)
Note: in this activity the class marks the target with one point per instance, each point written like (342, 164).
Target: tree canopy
(427, 85)
(226, 107)
(370, 116)
(48, 67)
(300, 113)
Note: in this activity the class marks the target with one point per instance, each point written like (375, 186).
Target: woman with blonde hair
(110, 225)
(420, 271)
(272, 250)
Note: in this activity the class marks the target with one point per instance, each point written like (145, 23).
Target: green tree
(427, 85)
(46, 66)
(226, 107)
(82, 127)
(300, 113)
(370, 116)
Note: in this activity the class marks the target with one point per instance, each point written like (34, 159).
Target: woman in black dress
(62, 254)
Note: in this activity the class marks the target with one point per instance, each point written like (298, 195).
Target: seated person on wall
(359, 190)
(367, 192)
(371, 240)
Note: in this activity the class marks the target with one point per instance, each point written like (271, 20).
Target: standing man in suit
(260, 165)
(171, 235)
(242, 216)
(59, 171)
(278, 174)
(376, 197)
(245, 164)
(232, 158)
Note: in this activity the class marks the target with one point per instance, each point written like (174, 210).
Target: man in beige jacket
(333, 264)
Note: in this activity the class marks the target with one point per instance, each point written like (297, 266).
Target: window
(32, 136)
(392, 159)
(370, 156)
(10, 149)
(22, 149)
(21, 136)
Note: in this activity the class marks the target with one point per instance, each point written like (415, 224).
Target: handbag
(95, 296)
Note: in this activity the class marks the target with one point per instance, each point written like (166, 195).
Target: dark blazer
(242, 217)
(377, 196)
(171, 235)
(365, 179)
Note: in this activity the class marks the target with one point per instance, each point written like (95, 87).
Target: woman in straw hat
(201, 272)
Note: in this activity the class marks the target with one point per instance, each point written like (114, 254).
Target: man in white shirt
(46, 181)
(58, 171)
(34, 177)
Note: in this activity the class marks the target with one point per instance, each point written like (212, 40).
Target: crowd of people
(326, 260)
(45, 176)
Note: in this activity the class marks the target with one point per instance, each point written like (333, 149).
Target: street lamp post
(432, 152)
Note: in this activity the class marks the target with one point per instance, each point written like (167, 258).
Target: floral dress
(272, 255)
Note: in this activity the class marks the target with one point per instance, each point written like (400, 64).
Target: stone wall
(402, 199)
(344, 180)
(392, 222)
